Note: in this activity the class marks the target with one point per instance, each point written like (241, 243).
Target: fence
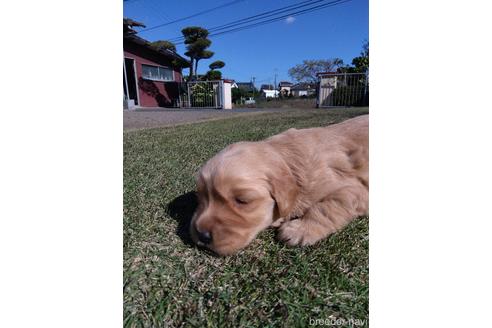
(343, 89)
(201, 94)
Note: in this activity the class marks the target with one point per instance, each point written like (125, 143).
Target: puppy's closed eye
(241, 201)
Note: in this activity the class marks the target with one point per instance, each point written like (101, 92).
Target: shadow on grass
(181, 209)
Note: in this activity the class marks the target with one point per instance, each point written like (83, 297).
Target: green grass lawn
(168, 282)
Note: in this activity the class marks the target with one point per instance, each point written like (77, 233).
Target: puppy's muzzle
(204, 237)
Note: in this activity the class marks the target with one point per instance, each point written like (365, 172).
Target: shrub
(213, 75)
(201, 94)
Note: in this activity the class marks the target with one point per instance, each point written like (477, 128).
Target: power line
(191, 16)
(298, 13)
(264, 15)
(331, 4)
(260, 16)
(156, 11)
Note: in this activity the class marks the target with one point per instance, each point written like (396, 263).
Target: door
(129, 80)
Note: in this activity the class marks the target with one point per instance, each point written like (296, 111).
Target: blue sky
(261, 51)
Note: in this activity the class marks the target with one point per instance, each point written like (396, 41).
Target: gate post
(365, 86)
(226, 94)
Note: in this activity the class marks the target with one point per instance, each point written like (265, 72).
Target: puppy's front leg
(307, 230)
(324, 218)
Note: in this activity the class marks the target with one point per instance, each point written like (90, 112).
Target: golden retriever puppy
(309, 183)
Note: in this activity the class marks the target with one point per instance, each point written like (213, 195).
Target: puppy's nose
(205, 237)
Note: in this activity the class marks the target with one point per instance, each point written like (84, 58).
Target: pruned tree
(168, 45)
(216, 65)
(213, 75)
(196, 44)
(205, 54)
(164, 44)
(308, 70)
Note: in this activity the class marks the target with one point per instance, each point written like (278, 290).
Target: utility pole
(275, 85)
(253, 79)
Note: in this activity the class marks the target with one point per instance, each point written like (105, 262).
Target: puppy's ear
(284, 188)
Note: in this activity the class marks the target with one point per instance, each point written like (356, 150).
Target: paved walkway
(158, 117)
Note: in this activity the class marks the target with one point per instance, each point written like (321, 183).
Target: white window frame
(158, 80)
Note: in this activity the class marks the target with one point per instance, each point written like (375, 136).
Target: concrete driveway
(159, 117)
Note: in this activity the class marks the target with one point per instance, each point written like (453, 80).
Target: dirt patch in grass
(293, 103)
(144, 119)
(170, 283)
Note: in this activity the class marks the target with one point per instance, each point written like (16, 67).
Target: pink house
(150, 76)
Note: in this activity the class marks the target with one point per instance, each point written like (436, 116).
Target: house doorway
(129, 80)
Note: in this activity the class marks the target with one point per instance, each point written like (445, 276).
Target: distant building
(284, 88)
(303, 89)
(267, 87)
(269, 93)
(232, 82)
(246, 86)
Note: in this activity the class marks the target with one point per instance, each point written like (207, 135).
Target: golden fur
(309, 183)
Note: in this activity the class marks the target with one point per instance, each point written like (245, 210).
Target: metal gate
(343, 89)
(201, 94)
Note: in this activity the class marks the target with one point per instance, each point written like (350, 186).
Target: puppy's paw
(298, 232)
(292, 232)
(277, 223)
